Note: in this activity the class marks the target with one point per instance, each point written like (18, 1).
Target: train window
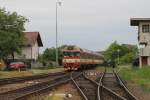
(76, 54)
(66, 54)
(71, 54)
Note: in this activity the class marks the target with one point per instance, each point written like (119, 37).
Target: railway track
(14, 80)
(109, 87)
(35, 90)
(14, 86)
(87, 87)
(112, 88)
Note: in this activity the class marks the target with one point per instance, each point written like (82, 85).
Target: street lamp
(118, 51)
(58, 3)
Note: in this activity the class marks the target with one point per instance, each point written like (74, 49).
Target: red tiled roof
(32, 37)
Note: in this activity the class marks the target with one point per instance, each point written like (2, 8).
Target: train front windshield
(71, 54)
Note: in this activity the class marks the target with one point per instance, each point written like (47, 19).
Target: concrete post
(140, 62)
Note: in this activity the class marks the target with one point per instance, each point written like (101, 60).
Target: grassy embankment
(136, 75)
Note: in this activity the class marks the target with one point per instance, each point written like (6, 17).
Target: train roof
(71, 47)
(76, 48)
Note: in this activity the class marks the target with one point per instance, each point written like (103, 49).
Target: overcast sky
(90, 24)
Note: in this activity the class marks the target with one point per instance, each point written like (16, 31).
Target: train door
(144, 60)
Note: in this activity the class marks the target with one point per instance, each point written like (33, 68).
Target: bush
(128, 58)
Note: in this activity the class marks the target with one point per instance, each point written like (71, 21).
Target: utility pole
(58, 3)
(118, 50)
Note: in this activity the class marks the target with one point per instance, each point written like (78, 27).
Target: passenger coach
(77, 58)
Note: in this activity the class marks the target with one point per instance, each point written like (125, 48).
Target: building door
(144, 60)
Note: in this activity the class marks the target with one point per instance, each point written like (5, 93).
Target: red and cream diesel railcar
(77, 58)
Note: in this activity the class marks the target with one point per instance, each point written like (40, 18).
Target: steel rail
(84, 95)
(6, 81)
(41, 90)
(102, 88)
(131, 96)
(24, 92)
(81, 92)
(99, 89)
(45, 89)
(111, 92)
(94, 82)
(99, 85)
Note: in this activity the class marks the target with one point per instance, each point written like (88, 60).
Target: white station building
(143, 25)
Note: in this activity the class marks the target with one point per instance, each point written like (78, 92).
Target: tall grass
(136, 75)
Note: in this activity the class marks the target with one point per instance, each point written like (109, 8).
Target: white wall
(144, 51)
(35, 51)
(29, 52)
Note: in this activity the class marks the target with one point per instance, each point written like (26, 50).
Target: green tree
(50, 55)
(111, 52)
(11, 33)
(127, 53)
(130, 55)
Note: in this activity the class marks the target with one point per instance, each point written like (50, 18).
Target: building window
(145, 28)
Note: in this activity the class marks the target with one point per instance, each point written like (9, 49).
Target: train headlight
(64, 60)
